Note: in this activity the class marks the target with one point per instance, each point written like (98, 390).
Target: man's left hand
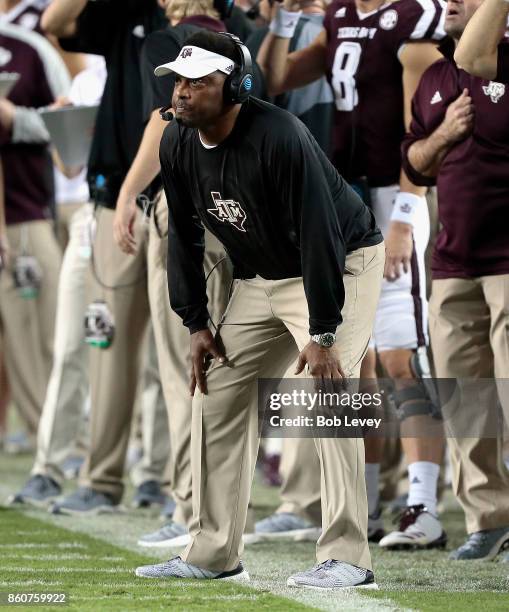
(398, 250)
(323, 363)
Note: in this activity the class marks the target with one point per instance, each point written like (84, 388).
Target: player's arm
(60, 18)
(157, 92)
(477, 50)
(425, 154)
(23, 124)
(415, 58)
(143, 171)
(284, 71)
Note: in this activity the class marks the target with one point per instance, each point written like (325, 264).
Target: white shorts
(401, 320)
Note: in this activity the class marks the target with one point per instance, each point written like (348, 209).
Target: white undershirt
(205, 145)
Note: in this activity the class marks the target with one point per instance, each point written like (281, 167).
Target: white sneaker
(334, 575)
(418, 529)
(176, 568)
(282, 525)
(171, 534)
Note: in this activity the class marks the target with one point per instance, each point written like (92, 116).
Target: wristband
(285, 23)
(406, 206)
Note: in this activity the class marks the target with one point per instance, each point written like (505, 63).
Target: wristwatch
(325, 340)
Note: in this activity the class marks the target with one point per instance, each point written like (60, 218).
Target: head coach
(309, 259)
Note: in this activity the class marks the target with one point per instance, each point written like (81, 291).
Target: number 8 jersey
(364, 70)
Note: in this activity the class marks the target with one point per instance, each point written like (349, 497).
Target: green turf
(424, 581)
(38, 557)
(438, 602)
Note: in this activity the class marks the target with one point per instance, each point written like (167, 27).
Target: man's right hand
(458, 123)
(123, 224)
(203, 346)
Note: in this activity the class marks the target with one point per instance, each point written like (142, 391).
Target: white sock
(423, 478)
(372, 471)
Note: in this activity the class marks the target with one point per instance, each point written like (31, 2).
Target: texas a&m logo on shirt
(227, 211)
(494, 90)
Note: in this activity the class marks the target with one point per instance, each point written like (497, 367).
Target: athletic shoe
(418, 529)
(270, 470)
(18, 444)
(287, 525)
(168, 509)
(149, 493)
(331, 575)
(375, 526)
(85, 501)
(175, 535)
(176, 568)
(482, 545)
(39, 491)
(71, 467)
(171, 534)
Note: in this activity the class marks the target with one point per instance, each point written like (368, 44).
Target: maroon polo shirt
(27, 167)
(473, 180)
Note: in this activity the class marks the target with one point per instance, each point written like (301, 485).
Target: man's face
(198, 103)
(459, 13)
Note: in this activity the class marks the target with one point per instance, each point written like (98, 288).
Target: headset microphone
(166, 114)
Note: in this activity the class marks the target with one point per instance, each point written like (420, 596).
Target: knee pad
(421, 398)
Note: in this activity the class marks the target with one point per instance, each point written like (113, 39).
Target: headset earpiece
(239, 84)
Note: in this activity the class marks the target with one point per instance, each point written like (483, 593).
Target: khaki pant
(28, 324)
(469, 338)
(63, 411)
(152, 419)
(65, 214)
(114, 371)
(265, 323)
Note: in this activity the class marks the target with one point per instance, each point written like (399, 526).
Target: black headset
(239, 83)
(224, 7)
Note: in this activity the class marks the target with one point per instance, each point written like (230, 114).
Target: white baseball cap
(195, 63)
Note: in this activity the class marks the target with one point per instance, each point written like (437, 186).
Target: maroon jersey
(27, 166)
(473, 181)
(27, 14)
(366, 75)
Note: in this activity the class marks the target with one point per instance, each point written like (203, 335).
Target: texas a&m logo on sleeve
(227, 211)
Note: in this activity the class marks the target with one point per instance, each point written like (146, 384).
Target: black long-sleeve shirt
(273, 199)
